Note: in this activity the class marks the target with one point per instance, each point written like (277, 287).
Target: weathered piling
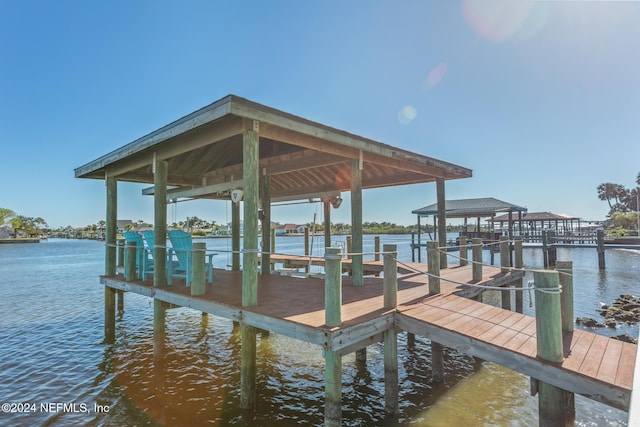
(518, 263)
(413, 246)
(600, 247)
(120, 244)
(390, 286)
(551, 399)
(306, 247)
(376, 251)
(552, 250)
(545, 252)
(476, 252)
(504, 267)
(463, 251)
(437, 351)
(131, 253)
(565, 270)
(197, 277)
(333, 318)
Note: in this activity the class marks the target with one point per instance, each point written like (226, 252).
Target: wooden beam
(196, 119)
(250, 236)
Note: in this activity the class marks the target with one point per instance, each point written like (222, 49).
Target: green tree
(5, 215)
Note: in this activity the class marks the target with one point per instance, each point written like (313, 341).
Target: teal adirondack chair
(182, 247)
(144, 261)
(149, 239)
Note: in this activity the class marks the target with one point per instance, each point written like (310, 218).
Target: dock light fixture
(336, 201)
(236, 195)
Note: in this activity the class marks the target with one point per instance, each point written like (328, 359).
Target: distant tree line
(22, 225)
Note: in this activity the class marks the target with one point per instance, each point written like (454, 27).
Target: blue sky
(541, 100)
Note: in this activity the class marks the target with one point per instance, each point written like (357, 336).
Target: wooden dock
(594, 366)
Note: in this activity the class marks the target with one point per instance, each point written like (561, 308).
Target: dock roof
(304, 158)
(481, 207)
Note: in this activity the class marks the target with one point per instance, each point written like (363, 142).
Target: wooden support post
(600, 243)
(333, 317)
(235, 236)
(159, 330)
(306, 247)
(160, 224)
(565, 271)
(413, 247)
(545, 249)
(518, 264)
(504, 267)
(120, 295)
(198, 259)
(247, 366)
(120, 243)
(376, 250)
(463, 251)
(110, 260)
(390, 286)
(131, 253)
(332, 389)
(437, 351)
(273, 240)
(433, 260)
(476, 252)
(551, 399)
(349, 250)
(251, 178)
(442, 221)
(111, 226)
(333, 287)
(356, 220)
(327, 224)
(109, 315)
(551, 248)
(419, 255)
(265, 190)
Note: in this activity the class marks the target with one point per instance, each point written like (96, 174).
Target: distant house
(283, 230)
(6, 232)
(122, 225)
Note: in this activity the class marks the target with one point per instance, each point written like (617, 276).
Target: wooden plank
(610, 361)
(593, 358)
(625, 377)
(579, 348)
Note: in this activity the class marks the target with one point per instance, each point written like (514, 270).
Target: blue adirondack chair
(149, 239)
(182, 247)
(144, 262)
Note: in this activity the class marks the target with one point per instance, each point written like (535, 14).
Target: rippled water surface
(51, 354)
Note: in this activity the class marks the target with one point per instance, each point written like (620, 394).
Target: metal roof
(481, 207)
(539, 216)
(303, 158)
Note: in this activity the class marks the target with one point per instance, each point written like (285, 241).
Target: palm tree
(611, 192)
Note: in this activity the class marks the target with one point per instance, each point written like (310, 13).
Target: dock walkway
(594, 366)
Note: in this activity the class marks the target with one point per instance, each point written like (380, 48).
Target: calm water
(51, 354)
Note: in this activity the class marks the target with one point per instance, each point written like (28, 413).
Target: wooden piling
(600, 244)
(333, 317)
(463, 251)
(390, 290)
(265, 198)
(518, 264)
(333, 287)
(442, 221)
(413, 246)
(356, 221)
(120, 244)
(251, 179)
(235, 236)
(545, 248)
(130, 261)
(437, 351)
(504, 268)
(110, 259)
(476, 252)
(306, 246)
(327, 223)
(160, 223)
(332, 389)
(551, 248)
(551, 399)
(198, 259)
(120, 299)
(433, 260)
(565, 270)
(247, 366)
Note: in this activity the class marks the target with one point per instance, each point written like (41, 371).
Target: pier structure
(252, 155)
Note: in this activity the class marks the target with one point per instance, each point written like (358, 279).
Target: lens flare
(407, 114)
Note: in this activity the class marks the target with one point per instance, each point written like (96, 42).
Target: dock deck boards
(594, 365)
